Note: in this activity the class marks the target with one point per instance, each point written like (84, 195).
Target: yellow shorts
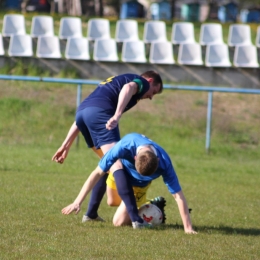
(139, 192)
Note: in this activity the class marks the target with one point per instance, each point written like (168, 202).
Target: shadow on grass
(221, 229)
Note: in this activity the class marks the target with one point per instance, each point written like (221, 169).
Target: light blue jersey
(125, 150)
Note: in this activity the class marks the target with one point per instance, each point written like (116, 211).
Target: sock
(96, 197)
(125, 191)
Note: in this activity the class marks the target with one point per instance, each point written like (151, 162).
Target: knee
(113, 203)
(117, 222)
(121, 219)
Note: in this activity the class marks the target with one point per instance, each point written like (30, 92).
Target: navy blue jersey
(125, 150)
(107, 92)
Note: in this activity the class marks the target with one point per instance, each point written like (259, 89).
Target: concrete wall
(171, 74)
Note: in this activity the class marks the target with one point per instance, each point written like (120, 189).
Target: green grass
(222, 188)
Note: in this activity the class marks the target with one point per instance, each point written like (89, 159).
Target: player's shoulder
(130, 77)
(132, 135)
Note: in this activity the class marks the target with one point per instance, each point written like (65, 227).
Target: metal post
(209, 112)
(79, 91)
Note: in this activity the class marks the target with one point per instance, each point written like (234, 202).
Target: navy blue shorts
(91, 122)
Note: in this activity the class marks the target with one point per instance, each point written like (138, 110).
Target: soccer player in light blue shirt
(126, 150)
(129, 161)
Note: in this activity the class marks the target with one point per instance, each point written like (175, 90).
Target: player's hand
(112, 123)
(60, 155)
(190, 231)
(70, 208)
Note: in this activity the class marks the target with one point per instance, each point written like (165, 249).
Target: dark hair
(155, 76)
(146, 163)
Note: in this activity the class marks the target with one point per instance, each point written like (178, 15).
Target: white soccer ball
(151, 214)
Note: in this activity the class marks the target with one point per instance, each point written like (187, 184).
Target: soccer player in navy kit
(97, 119)
(134, 162)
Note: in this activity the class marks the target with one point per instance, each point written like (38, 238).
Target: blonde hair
(146, 163)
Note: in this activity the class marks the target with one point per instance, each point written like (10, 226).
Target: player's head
(146, 161)
(155, 81)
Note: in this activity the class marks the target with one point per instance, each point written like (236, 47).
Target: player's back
(107, 92)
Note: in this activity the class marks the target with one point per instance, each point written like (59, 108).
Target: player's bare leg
(113, 199)
(121, 217)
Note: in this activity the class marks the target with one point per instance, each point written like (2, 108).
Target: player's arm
(125, 95)
(93, 178)
(184, 212)
(63, 151)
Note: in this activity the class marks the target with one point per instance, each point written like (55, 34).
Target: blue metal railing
(80, 82)
(210, 91)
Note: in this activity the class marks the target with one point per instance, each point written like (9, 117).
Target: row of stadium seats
(217, 55)
(182, 32)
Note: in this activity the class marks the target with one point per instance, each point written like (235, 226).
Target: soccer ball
(151, 214)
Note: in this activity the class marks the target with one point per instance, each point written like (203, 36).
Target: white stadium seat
(211, 33)
(217, 55)
(161, 53)
(105, 50)
(20, 46)
(77, 49)
(48, 47)
(182, 32)
(42, 26)
(70, 27)
(245, 56)
(190, 54)
(98, 29)
(2, 51)
(126, 30)
(154, 31)
(257, 43)
(239, 34)
(13, 24)
(133, 51)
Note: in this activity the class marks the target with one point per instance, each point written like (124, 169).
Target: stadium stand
(154, 41)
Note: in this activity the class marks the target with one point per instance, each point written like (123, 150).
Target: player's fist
(112, 123)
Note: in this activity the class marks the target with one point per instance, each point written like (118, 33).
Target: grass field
(222, 188)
